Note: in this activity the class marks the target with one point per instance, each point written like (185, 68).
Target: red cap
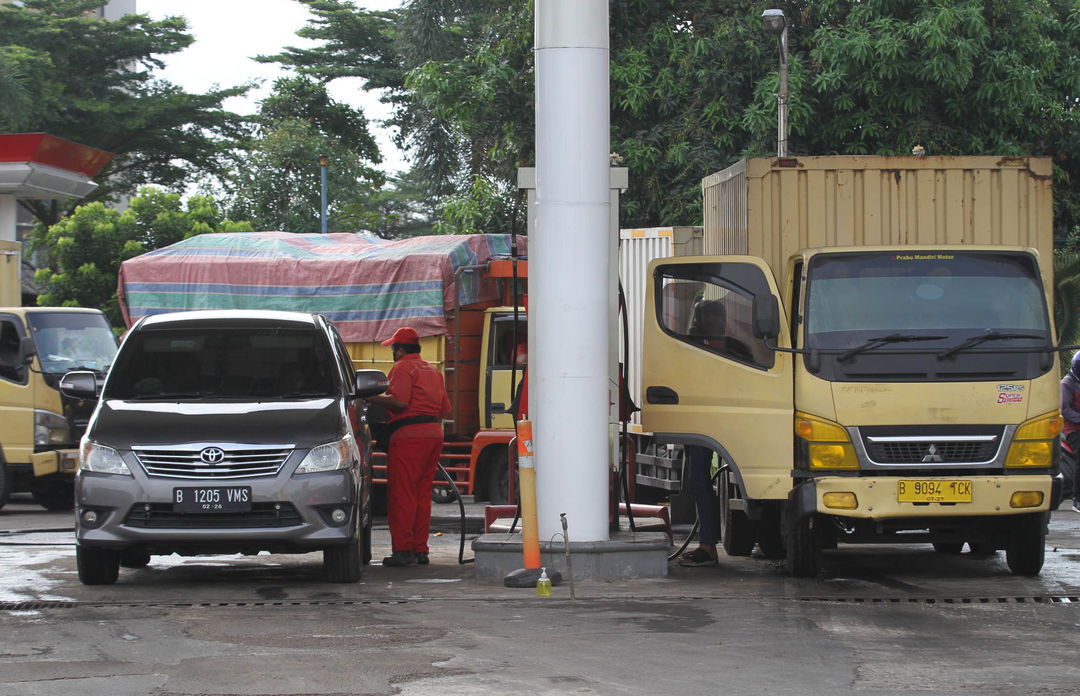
(403, 335)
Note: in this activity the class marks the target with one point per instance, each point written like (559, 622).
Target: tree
(87, 248)
(277, 181)
(90, 80)
(693, 86)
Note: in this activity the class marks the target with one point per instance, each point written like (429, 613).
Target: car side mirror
(27, 350)
(370, 383)
(80, 384)
(766, 316)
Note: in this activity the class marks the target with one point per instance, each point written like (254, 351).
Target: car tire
(1026, 549)
(97, 566)
(345, 563)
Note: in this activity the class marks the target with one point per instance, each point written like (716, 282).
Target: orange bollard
(527, 491)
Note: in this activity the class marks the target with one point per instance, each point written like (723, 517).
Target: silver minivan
(223, 432)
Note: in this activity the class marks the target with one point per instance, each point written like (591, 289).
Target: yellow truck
(887, 372)
(39, 427)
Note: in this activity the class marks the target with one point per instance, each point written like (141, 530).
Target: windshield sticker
(924, 257)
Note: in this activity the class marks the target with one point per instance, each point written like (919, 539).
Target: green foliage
(277, 181)
(86, 249)
(89, 80)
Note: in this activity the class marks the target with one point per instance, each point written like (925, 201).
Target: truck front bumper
(877, 498)
(64, 461)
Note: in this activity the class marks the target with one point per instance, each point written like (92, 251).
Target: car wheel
(344, 563)
(97, 566)
(1026, 549)
(134, 559)
(737, 531)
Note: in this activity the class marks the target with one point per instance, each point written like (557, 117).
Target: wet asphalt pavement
(881, 620)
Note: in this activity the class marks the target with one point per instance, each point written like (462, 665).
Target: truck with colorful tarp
(457, 291)
(888, 371)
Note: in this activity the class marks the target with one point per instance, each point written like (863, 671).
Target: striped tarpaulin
(367, 286)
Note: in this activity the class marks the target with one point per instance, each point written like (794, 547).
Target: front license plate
(212, 499)
(933, 491)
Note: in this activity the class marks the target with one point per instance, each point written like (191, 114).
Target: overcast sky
(229, 32)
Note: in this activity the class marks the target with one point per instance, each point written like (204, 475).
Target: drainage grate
(1039, 599)
(59, 604)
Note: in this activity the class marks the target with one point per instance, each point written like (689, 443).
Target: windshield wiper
(884, 340)
(982, 338)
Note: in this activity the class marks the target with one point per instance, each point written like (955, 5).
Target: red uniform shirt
(418, 384)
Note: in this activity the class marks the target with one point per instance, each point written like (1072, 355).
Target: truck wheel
(1026, 548)
(498, 478)
(56, 496)
(5, 485)
(97, 566)
(803, 547)
(737, 532)
(770, 536)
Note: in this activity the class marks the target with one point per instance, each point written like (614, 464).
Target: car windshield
(68, 341)
(181, 362)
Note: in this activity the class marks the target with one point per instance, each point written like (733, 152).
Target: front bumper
(288, 514)
(877, 497)
(64, 461)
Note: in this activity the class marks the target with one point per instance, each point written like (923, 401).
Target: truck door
(707, 378)
(16, 394)
(505, 354)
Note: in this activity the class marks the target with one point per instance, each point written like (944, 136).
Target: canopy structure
(367, 286)
(39, 165)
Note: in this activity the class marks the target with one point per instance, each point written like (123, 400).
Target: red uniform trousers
(412, 458)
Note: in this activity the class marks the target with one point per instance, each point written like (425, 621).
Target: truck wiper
(884, 340)
(982, 338)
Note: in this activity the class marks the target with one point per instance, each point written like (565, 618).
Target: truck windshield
(192, 362)
(948, 307)
(68, 341)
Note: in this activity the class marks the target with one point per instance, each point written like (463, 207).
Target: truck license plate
(933, 491)
(212, 499)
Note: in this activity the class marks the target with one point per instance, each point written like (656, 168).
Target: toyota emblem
(212, 455)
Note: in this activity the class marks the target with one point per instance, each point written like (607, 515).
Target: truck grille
(203, 464)
(161, 516)
(933, 445)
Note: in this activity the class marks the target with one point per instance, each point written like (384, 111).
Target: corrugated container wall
(773, 208)
(637, 247)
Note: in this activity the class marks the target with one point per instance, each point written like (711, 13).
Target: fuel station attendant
(416, 402)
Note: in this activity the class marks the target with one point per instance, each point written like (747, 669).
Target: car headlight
(101, 459)
(51, 429)
(328, 457)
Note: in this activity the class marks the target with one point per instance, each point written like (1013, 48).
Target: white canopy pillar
(569, 270)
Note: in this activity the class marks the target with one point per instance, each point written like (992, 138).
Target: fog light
(89, 517)
(339, 516)
(1026, 499)
(840, 501)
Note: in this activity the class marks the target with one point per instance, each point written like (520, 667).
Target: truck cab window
(10, 367)
(700, 306)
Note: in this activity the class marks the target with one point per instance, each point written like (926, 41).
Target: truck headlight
(1034, 443)
(51, 429)
(824, 444)
(328, 457)
(101, 459)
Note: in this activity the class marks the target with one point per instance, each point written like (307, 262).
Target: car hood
(126, 424)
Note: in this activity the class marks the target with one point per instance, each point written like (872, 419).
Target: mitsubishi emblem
(932, 456)
(213, 455)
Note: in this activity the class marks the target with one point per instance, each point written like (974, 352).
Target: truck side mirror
(80, 384)
(370, 383)
(27, 350)
(766, 316)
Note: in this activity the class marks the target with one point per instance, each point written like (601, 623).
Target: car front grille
(161, 516)
(234, 463)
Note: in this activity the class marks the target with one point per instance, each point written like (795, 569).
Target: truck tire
(803, 546)
(737, 531)
(1026, 547)
(5, 484)
(97, 566)
(770, 533)
(497, 475)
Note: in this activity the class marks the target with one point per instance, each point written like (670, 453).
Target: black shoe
(399, 559)
(422, 558)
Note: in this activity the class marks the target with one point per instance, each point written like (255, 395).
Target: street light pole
(776, 23)
(322, 167)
